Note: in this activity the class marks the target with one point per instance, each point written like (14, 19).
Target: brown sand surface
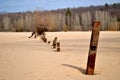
(22, 58)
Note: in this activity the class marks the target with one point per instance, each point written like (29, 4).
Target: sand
(22, 58)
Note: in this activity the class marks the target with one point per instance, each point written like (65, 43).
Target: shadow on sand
(75, 67)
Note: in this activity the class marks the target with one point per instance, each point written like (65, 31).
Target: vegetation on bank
(74, 19)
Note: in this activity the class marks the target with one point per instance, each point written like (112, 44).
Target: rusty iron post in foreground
(93, 48)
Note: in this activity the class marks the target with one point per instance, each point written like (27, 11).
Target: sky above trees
(31, 5)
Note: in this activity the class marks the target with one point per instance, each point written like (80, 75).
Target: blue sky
(31, 5)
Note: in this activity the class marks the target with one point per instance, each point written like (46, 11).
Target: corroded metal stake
(93, 48)
(58, 46)
(48, 42)
(45, 40)
(54, 42)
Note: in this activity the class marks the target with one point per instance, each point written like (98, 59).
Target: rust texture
(93, 48)
(91, 64)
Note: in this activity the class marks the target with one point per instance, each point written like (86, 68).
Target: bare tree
(103, 17)
(68, 18)
(86, 20)
(7, 23)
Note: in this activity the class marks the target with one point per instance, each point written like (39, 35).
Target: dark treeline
(75, 19)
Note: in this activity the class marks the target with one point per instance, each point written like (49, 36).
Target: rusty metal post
(45, 40)
(54, 42)
(48, 42)
(54, 45)
(58, 46)
(93, 48)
